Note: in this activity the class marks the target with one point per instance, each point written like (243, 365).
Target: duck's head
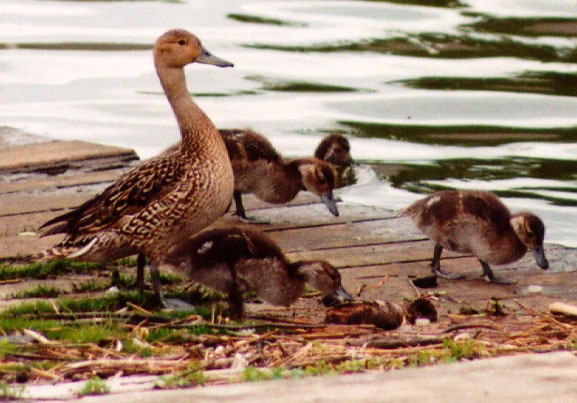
(177, 48)
(322, 276)
(335, 149)
(531, 231)
(320, 178)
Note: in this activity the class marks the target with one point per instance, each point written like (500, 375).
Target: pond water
(432, 94)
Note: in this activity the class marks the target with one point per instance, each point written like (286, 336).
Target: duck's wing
(247, 145)
(229, 244)
(130, 194)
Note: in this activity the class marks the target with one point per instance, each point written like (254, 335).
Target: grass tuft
(94, 386)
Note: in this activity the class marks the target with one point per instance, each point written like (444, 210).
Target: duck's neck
(193, 122)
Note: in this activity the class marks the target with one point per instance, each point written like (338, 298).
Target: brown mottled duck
(154, 207)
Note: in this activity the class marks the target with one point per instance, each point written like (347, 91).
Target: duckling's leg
(492, 278)
(235, 303)
(140, 264)
(436, 265)
(172, 303)
(156, 285)
(237, 195)
(241, 213)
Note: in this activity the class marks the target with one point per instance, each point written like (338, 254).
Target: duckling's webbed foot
(491, 278)
(252, 220)
(158, 299)
(436, 266)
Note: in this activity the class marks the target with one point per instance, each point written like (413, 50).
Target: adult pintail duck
(152, 208)
(335, 149)
(235, 259)
(478, 223)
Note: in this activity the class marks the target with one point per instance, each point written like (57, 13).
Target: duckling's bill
(329, 201)
(539, 255)
(343, 294)
(206, 57)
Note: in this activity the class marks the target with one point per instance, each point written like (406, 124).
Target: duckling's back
(469, 222)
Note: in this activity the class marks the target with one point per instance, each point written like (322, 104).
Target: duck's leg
(436, 265)
(491, 277)
(235, 303)
(140, 264)
(241, 213)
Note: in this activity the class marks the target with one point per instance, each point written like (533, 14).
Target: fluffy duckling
(167, 199)
(259, 169)
(335, 149)
(233, 260)
(478, 223)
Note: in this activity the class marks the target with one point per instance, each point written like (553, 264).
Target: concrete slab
(550, 377)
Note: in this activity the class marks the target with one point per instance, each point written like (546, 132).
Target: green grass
(95, 386)
(40, 291)
(11, 392)
(192, 377)
(47, 270)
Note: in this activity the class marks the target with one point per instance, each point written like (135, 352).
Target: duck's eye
(181, 42)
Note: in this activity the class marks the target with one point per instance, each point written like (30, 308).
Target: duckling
(260, 169)
(479, 223)
(167, 199)
(235, 259)
(335, 149)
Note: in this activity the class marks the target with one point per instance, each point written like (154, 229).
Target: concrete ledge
(550, 377)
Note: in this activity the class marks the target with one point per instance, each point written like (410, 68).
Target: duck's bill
(329, 201)
(343, 294)
(539, 255)
(206, 57)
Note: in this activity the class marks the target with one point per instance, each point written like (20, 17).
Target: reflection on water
(433, 94)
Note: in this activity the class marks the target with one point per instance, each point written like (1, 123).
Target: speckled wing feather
(130, 194)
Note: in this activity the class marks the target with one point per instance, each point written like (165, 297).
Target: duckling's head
(177, 48)
(335, 149)
(531, 231)
(319, 177)
(322, 276)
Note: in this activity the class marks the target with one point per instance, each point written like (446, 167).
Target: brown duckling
(259, 169)
(167, 199)
(479, 223)
(335, 149)
(234, 259)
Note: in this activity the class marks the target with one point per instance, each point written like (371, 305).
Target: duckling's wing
(249, 145)
(130, 194)
(486, 208)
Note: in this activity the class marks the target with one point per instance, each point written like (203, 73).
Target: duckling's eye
(181, 42)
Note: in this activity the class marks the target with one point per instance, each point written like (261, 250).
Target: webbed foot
(448, 276)
(174, 304)
(252, 220)
(498, 280)
(490, 276)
